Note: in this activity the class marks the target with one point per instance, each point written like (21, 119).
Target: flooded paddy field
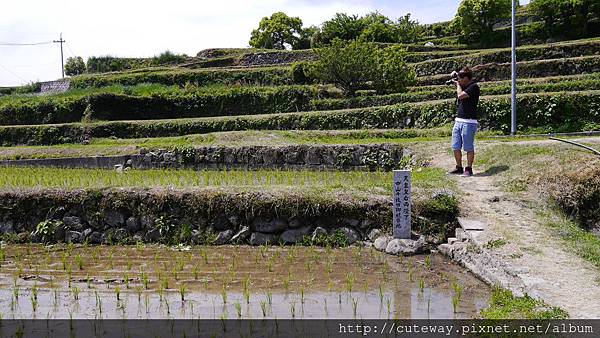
(231, 282)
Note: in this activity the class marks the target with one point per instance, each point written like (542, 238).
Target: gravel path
(546, 267)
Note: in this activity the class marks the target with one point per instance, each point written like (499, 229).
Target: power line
(24, 44)
(70, 51)
(8, 70)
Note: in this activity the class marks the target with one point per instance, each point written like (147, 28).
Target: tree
(567, 18)
(341, 26)
(307, 36)
(377, 28)
(475, 19)
(393, 74)
(352, 66)
(277, 31)
(74, 66)
(407, 30)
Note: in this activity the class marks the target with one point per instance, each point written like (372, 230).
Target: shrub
(393, 74)
(301, 73)
(74, 66)
(101, 64)
(351, 66)
(168, 57)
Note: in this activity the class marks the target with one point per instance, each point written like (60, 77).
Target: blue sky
(143, 29)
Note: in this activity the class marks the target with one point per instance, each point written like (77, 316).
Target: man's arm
(460, 93)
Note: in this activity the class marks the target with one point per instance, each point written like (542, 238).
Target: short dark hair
(466, 72)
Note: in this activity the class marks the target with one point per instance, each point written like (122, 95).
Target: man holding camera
(465, 124)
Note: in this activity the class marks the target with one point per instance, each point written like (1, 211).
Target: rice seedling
(269, 298)
(389, 307)
(34, 303)
(428, 261)
(350, 278)
(128, 264)
(69, 274)
(302, 294)
(421, 285)
(174, 274)
(79, 261)
(145, 280)
(380, 294)
(293, 309)
(16, 291)
(354, 306)
(147, 303)
(224, 294)
(182, 291)
(138, 291)
(64, 261)
(195, 271)
(329, 266)
(457, 295)
(75, 290)
(205, 256)
(286, 284)
(166, 301)
(118, 292)
(246, 291)
(126, 279)
(2, 255)
(164, 282)
(238, 308)
(263, 308)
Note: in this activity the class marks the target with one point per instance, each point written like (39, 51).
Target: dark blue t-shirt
(467, 108)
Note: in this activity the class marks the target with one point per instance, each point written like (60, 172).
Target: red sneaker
(468, 172)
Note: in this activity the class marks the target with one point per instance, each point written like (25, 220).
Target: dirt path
(546, 267)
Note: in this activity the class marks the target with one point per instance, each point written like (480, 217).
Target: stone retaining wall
(365, 157)
(203, 216)
(55, 87)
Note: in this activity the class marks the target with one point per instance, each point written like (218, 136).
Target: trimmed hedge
(520, 81)
(556, 111)
(234, 101)
(169, 104)
(256, 76)
(525, 69)
(530, 53)
(448, 92)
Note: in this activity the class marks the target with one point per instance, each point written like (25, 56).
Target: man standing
(465, 124)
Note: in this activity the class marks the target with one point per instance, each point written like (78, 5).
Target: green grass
(373, 182)
(583, 243)
(504, 305)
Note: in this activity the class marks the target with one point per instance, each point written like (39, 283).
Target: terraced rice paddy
(145, 281)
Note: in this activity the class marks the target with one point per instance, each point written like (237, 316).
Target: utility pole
(62, 62)
(513, 69)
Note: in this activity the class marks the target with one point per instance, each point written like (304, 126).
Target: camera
(451, 81)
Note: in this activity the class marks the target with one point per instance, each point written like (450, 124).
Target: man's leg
(469, 145)
(470, 158)
(457, 143)
(458, 157)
